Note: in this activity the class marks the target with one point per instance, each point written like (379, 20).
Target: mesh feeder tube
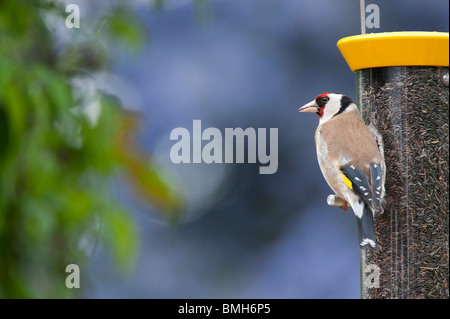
(403, 92)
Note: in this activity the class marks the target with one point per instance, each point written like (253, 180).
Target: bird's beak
(310, 107)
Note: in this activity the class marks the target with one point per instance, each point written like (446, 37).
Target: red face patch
(321, 101)
(322, 95)
(320, 111)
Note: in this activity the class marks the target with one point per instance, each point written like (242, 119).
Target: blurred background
(97, 187)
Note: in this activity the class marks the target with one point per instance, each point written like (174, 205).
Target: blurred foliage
(55, 164)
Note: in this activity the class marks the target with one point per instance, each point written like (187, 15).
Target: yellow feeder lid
(395, 49)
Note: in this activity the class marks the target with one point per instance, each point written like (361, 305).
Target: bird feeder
(403, 92)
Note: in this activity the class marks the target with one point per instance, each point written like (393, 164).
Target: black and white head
(328, 105)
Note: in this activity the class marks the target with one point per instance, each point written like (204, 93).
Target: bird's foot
(344, 207)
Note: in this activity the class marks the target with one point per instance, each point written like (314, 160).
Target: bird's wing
(359, 182)
(376, 174)
(370, 190)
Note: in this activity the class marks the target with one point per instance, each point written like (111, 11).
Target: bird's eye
(325, 99)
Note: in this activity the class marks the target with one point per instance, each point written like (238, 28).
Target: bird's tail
(366, 229)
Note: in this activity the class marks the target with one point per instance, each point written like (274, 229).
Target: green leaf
(126, 28)
(121, 237)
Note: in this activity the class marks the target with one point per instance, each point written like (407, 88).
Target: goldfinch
(351, 159)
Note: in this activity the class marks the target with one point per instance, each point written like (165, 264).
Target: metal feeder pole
(403, 94)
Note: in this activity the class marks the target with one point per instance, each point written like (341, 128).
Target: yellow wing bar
(346, 180)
